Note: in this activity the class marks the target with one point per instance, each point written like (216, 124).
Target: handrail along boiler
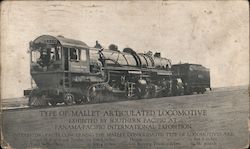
(69, 71)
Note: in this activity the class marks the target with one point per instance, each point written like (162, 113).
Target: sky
(212, 33)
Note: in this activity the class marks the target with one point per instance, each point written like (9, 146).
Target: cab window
(58, 53)
(35, 55)
(83, 55)
(75, 54)
(52, 54)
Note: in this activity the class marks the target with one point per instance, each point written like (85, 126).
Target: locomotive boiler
(69, 71)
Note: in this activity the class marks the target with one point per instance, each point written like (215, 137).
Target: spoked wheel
(146, 92)
(136, 94)
(36, 100)
(94, 96)
(80, 99)
(53, 102)
(188, 91)
(152, 91)
(203, 90)
(69, 99)
(181, 93)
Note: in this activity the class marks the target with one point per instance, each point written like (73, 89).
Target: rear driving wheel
(69, 99)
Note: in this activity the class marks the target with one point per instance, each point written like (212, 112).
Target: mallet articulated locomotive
(68, 71)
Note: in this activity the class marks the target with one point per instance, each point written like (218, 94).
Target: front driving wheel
(69, 99)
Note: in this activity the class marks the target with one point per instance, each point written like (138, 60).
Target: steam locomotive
(69, 71)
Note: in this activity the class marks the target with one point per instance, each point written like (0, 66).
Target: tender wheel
(188, 91)
(203, 90)
(69, 99)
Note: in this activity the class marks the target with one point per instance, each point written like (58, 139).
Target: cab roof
(48, 39)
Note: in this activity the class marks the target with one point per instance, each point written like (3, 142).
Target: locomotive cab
(56, 65)
(50, 53)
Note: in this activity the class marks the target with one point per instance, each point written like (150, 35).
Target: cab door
(78, 60)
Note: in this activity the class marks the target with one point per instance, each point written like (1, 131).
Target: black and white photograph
(124, 74)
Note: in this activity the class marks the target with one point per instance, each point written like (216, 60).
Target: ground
(224, 125)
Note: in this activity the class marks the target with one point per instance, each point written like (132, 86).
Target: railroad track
(22, 103)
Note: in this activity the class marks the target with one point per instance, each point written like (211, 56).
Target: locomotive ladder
(130, 89)
(67, 79)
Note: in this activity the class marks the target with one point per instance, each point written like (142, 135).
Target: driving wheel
(69, 99)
